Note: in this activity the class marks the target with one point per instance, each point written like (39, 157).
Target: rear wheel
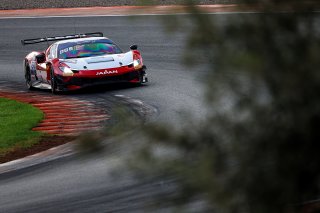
(28, 78)
(53, 82)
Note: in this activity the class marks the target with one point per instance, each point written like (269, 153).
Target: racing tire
(53, 82)
(143, 76)
(28, 78)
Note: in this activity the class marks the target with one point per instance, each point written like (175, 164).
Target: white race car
(77, 61)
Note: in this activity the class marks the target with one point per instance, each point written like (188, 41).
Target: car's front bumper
(73, 83)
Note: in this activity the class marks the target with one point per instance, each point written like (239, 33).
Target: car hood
(100, 62)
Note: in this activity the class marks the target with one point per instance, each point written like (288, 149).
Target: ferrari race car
(77, 61)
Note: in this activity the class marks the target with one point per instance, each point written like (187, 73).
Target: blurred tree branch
(257, 151)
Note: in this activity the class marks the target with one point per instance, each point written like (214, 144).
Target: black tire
(53, 82)
(28, 78)
(140, 78)
(143, 76)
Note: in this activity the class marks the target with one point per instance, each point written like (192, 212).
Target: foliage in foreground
(258, 149)
(17, 120)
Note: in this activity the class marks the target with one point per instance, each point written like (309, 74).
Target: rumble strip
(62, 115)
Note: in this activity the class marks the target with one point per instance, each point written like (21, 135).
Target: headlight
(66, 71)
(137, 64)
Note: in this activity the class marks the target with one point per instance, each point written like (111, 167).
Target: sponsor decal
(69, 49)
(106, 72)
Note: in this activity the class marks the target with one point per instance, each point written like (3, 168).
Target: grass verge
(16, 121)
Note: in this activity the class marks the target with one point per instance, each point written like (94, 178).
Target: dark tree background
(258, 149)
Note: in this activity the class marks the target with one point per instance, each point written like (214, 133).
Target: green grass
(16, 121)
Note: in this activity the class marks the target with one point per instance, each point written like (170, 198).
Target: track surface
(88, 185)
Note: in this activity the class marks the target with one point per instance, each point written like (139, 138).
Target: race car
(76, 61)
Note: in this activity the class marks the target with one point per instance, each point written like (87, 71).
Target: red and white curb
(62, 115)
(123, 11)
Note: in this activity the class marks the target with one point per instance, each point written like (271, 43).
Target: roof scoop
(99, 60)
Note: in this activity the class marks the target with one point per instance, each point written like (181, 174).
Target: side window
(52, 53)
(48, 53)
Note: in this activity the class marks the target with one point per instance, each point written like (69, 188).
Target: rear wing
(59, 38)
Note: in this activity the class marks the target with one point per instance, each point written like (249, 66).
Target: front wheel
(143, 76)
(53, 82)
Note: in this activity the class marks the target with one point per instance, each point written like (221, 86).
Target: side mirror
(41, 58)
(134, 47)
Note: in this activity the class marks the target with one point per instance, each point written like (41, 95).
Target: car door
(41, 67)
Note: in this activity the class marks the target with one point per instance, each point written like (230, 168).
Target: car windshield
(87, 48)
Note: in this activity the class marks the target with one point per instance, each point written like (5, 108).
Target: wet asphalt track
(89, 185)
